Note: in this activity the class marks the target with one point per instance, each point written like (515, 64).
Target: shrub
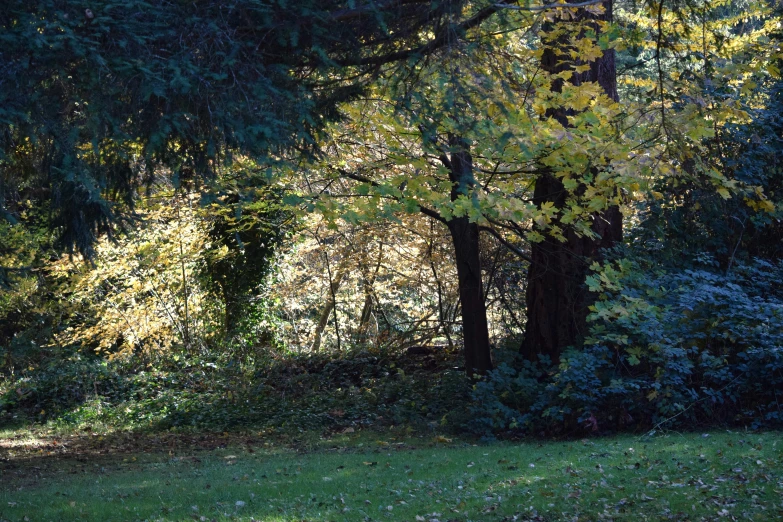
(667, 347)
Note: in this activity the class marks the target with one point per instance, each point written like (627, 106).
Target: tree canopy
(96, 100)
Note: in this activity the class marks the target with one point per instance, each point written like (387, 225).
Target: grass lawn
(365, 476)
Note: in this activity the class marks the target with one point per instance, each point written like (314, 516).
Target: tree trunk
(557, 299)
(465, 236)
(368, 280)
(326, 311)
(233, 311)
(478, 359)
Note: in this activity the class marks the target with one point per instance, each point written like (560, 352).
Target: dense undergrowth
(713, 358)
(685, 348)
(236, 390)
(670, 347)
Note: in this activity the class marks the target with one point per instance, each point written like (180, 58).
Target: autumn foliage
(571, 212)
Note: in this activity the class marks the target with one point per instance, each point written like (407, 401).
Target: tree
(678, 98)
(465, 237)
(94, 101)
(557, 299)
(441, 127)
(454, 157)
(97, 101)
(248, 222)
(141, 296)
(122, 88)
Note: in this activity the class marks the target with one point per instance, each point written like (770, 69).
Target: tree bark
(465, 236)
(557, 299)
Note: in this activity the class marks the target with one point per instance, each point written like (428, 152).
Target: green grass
(372, 477)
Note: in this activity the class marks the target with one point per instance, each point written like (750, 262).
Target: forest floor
(391, 475)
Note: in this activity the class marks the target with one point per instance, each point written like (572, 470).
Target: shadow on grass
(677, 477)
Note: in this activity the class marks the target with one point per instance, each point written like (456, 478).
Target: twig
(734, 252)
(652, 430)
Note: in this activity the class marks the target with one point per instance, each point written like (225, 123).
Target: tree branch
(358, 177)
(548, 6)
(503, 241)
(442, 38)
(348, 14)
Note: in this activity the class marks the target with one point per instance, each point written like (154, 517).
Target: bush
(685, 348)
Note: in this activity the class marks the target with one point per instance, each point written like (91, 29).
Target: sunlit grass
(682, 477)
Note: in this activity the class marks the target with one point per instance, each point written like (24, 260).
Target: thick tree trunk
(465, 236)
(557, 300)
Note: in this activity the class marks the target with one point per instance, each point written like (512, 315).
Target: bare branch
(513, 248)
